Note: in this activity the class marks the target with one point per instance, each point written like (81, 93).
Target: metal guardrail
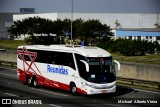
(2, 49)
(12, 64)
(132, 81)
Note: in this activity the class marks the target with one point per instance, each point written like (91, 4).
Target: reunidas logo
(59, 70)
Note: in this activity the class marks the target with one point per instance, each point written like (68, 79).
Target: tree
(66, 27)
(90, 31)
(94, 31)
(157, 25)
(78, 28)
(157, 47)
(117, 23)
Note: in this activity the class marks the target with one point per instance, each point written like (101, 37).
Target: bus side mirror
(86, 65)
(119, 65)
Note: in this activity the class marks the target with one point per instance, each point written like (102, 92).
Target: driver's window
(81, 65)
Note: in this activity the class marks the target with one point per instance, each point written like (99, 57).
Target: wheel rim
(35, 83)
(29, 81)
(73, 89)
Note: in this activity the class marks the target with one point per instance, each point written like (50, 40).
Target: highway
(12, 88)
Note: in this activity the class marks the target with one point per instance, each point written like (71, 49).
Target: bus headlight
(92, 86)
(88, 85)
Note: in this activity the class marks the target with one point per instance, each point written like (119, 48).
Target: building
(6, 20)
(150, 35)
(126, 20)
(132, 26)
(144, 16)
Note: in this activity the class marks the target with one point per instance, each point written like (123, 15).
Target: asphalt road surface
(21, 95)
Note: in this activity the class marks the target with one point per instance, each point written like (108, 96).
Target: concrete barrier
(8, 56)
(148, 72)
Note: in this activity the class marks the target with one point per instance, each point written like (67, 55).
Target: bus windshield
(101, 69)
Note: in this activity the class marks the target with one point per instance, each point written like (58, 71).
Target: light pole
(71, 20)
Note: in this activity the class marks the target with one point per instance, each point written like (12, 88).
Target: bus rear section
(36, 66)
(76, 69)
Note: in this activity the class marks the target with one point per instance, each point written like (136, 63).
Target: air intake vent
(90, 47)
(72, 46)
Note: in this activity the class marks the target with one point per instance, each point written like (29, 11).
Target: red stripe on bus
(47, 82)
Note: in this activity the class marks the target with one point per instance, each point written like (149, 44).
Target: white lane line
(8, 75)
(12, 94)
(54, 105)
(147, 91)
(49, 92)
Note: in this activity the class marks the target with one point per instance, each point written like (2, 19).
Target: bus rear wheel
(35, 82)
(73, 89)
(29, 81)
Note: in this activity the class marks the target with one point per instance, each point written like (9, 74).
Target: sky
(83, 6)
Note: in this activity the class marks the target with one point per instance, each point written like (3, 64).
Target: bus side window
(27, 58)
(49, 57)
(56, 59)
(81, 66)
(44, 56)
(66, 59)
(69, 61)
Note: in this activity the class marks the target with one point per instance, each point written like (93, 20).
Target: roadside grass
(11, 44)
(147, 59)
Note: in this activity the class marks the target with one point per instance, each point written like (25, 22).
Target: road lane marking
(12, 94)
(8, 75)
(49, 92)
(54, 105)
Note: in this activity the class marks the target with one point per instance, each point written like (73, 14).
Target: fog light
(92, 91)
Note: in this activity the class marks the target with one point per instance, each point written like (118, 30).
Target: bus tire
(35, 82)
(73, 89)
(29, 81)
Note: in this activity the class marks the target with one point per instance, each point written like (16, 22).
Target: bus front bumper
(91, 90)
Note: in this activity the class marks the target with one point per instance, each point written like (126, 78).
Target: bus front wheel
(73, 89)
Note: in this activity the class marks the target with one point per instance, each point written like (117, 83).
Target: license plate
(104, 91)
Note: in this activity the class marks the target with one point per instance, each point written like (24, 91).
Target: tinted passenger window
(44, 56)
(65, 59)
(27, 58)
(51, 57)
(58, 58)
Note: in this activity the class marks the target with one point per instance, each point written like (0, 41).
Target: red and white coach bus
(83, 69)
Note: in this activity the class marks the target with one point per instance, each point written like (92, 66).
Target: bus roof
(88, 51)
